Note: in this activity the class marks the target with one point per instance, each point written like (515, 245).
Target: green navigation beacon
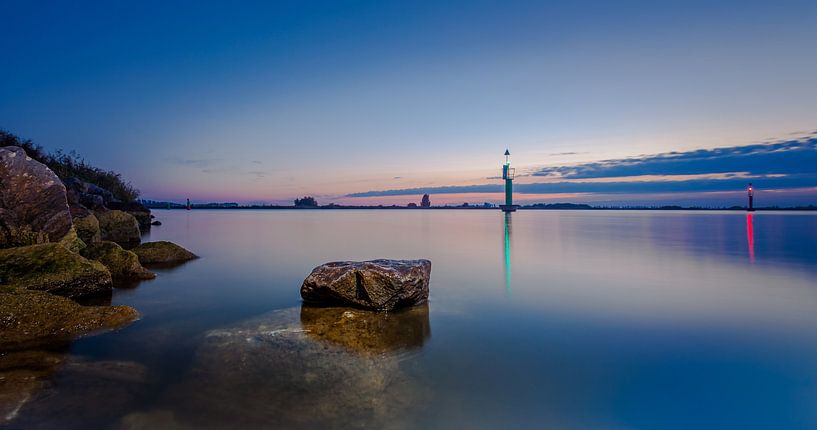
(507, 175)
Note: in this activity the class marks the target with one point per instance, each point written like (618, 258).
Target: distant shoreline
(554, 207)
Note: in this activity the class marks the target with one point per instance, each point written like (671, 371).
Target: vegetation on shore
(72, 165)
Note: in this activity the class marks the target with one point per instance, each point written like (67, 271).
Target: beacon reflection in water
(507, 253)
(750, 237)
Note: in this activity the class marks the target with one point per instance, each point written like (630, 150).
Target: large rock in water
(376, 284)
(122, 264)
(52, 268)
(162, 253)
(33, 205)
(120, 227)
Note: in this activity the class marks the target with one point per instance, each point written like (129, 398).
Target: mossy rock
(87, 228)
(72, 242)
(52, 268)
(120, 227)
(30, 318)
(122, 264)
(162, 252)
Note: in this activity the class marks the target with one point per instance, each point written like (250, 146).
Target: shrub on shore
(72, 165)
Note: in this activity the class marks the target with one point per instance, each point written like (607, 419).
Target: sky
(378, 102)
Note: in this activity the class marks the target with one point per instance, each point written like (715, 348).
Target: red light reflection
(750, 237)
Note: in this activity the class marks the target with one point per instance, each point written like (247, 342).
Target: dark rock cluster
(60, 241)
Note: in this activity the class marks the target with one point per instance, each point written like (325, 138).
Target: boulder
(376, 284)
(156, 223)
(122, 264)
(138, 210)
(33, 203)
(32, 318)
(162, 252)
(86, 224)
(72, 242)
(88, 194)
(120, 227)
(52, 268)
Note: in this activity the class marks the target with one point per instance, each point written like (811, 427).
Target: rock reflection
(275, 372)
(365, 331)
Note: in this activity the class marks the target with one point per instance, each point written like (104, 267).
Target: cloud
(781, 165)
(201, 162)
(791, 157)
(556, 154)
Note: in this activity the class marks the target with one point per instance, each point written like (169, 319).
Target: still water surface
(540, 319)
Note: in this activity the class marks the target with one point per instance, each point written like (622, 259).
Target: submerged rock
(376, 284)
(52, 268)
(33, 203)
(31, 318)
(367, 331)
(162, 252)
(120, 227)
(83, 394)
(122, 264)
(271, 373)
(22, 374)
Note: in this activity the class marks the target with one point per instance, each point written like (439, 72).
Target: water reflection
(640, 310)
(750, 237)
(507, 249)
(366, 331)
(276, 371)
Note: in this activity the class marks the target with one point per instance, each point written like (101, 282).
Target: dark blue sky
(264, 101)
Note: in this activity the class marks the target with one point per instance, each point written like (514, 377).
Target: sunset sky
(379, 101)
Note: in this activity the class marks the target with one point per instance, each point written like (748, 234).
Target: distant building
(426, 201)
(412, 205)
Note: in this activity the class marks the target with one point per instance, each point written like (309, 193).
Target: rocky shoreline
(60, 241)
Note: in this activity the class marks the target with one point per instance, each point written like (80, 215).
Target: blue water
(541, 319)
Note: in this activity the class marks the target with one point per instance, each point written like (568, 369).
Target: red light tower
(751, 207)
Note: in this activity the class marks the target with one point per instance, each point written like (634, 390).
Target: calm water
(558, 319)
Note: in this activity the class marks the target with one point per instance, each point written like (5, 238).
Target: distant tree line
(306, 202)
(72, 165)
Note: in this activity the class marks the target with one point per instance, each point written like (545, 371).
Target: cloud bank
(790, 164)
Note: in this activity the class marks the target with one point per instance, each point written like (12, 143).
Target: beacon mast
(751, 207)
(507, 176)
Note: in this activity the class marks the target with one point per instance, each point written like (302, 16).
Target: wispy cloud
(193, 162)
(791, 157)
(780, 165)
